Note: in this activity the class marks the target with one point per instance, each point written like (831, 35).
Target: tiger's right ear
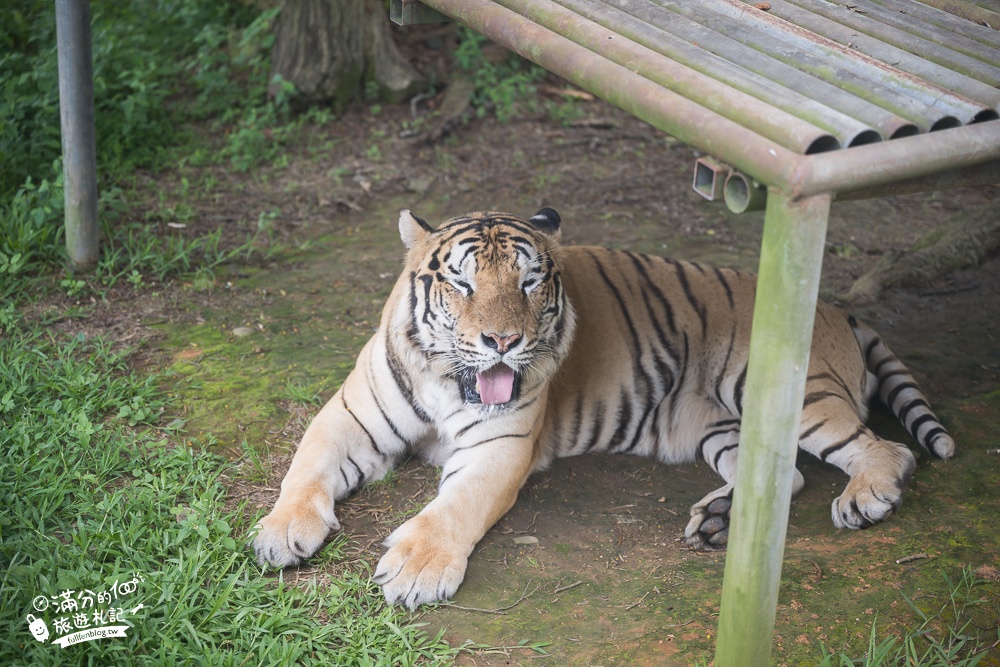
(546, 221)
(412, 229)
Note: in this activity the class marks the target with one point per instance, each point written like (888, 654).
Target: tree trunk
(339, 50)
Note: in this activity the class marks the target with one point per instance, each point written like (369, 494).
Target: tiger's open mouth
(494, 386)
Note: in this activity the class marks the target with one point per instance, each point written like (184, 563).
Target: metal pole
(76, 106)
(787, 287)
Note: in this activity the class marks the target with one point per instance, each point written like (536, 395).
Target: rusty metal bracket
(412, 12)
(715, 180)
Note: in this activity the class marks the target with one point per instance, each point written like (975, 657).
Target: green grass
(946, 636)
(95, 493)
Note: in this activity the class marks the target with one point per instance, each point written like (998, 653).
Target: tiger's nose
(500, 343)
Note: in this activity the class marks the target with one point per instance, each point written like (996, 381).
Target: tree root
(963, 241)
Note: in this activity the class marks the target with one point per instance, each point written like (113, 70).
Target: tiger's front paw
(292, 532)
(708, 529)
(421, 566)
(867, 500)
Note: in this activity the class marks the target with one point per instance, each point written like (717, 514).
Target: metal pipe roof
(794, 97)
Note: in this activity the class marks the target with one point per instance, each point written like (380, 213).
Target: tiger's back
(661, 351)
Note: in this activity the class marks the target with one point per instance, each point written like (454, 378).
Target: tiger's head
(486, 305)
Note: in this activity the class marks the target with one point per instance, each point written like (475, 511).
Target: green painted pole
(76, 106)
(791, 259)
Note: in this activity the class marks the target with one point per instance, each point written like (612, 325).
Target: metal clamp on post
(413, 12)
(741, 193)
(715, 180)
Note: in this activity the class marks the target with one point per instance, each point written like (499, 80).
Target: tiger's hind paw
(708, 529)
(865, 502)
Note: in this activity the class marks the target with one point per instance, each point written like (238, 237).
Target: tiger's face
(486, 302)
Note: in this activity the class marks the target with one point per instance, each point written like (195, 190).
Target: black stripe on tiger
(403, 382)
(428, 314)
(367, 433)
(722, 371)
(719, 454)
(812, 429)
(370, 379)
(830, 450)
(817, 396)
(899, 391)
(905, 411)
(644, 390)
(647, 288)
(359, 480)
(696, 305)
(719, 428)
(920, 421)
(678, 388)
(894, 393)
(597, 426)
(478, 226)
(931, 436)
(493, 439)
(448, 475)
(725, 286)
(741, 382)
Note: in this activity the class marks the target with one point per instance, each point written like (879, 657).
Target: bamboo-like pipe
(983, 93)
(967, 10)
(942, 55)
(961, 24)
(937, 101)
(888, 124)
(691, 123)
(932, 33)
(743, 194)
(783, 128)
(806, 52)
(846, 129)
(791, 259)
(893, 161)
(797, 176)
(979, 175)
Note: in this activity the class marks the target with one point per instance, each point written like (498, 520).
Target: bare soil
(609, 580)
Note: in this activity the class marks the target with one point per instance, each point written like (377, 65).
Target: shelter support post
(788, 284)
(76, 106)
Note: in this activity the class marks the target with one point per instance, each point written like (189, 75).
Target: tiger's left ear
(546, 221)
(412, 229)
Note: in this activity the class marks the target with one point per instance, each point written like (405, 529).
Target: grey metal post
(76, 106)
(791, 257)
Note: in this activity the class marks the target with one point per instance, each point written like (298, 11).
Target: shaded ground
(608, 581)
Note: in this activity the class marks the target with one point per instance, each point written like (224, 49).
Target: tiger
(500, 350)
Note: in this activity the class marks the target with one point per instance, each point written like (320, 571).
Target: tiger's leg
(428, 554)
(708, 529)
(879, 469)
(350, 442)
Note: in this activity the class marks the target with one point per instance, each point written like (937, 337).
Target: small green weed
(942, 639)
(499, 86)
(302, 395)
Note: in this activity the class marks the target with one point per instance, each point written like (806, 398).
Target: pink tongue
(495, 385)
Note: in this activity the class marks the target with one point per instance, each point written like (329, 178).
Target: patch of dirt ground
(603, 577)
